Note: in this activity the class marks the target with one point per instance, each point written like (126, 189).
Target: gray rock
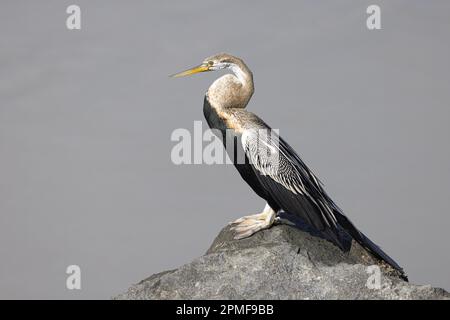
(284, 262)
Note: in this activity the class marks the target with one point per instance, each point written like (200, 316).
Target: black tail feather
(368, 244)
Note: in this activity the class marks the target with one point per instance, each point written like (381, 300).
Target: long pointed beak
(197, 69)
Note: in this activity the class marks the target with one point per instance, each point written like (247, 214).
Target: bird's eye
(210, 63)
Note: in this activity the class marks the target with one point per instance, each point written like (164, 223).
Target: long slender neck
(232, 90)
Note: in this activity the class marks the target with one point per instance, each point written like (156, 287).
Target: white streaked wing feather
(264, 153)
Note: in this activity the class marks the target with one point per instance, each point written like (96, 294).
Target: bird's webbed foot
(246, 226)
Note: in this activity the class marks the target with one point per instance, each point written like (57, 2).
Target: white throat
(237, 72)
(235, 69)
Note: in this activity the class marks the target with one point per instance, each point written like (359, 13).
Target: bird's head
(213, 63)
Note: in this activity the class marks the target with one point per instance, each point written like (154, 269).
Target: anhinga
(285, 182)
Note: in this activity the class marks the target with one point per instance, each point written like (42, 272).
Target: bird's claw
(246, 226)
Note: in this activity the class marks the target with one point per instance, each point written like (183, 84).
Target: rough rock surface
(284, 262)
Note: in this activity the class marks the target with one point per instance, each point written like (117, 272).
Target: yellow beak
(200, 68)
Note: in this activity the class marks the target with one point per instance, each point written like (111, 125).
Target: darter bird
(271, 167)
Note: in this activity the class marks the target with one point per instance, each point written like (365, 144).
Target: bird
(268, 164)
